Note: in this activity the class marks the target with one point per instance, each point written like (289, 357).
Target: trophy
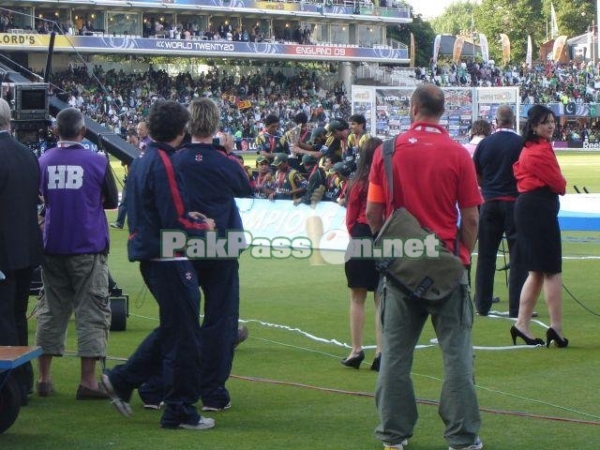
(293, 136)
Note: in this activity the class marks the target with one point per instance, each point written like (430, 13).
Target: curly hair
(167, 119)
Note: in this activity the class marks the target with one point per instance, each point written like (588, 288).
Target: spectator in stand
(77, 186)
(539, 182)
(361, 274)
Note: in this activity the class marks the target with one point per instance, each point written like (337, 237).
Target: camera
(218, 141)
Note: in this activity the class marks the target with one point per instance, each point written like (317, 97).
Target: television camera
(30, 111)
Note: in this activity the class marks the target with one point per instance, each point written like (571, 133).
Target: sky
(430, 8)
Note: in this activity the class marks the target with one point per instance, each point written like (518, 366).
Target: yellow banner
(458, 46)
(559, 46)
(244, 104)
(505, 48)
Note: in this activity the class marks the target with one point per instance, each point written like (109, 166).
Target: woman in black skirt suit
(361, 274)
(539, 182)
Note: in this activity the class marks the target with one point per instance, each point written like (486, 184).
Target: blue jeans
(496, 218)
(171, 350)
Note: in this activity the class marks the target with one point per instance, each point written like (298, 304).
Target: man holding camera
(214, 177)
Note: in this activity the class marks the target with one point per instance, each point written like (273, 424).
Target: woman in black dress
(540, 182)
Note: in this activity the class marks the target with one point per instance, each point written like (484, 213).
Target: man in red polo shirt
(434, 179)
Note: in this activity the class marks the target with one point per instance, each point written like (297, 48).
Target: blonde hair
(205, 118)
(4, 114)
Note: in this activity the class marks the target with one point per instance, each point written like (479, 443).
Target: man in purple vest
(77, 185)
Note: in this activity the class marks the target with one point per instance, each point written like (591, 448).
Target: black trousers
(14, 300)
(496, 219)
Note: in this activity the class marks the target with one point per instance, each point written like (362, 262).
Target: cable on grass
(422, 401)
(594, 313)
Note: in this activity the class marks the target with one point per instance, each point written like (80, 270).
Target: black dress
(536, 220)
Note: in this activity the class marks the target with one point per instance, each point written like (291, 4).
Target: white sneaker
(478, 445)
(399, 446)
(216, 408)
(205, 423)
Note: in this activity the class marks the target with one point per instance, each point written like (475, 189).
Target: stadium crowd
(119, 100)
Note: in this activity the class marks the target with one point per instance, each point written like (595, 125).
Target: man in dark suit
(20, 239)
(494, 159)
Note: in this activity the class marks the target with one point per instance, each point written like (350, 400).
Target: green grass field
(289, 390)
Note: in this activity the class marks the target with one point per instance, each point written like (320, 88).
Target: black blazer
(20, 235)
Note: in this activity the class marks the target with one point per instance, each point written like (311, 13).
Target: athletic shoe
(397, 446)
(204, 423)
(116, 225)
(216, 408)
(478, 445)
(121, 405)
(154, 406)
(242, 335)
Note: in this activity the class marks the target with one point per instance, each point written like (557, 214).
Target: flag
(528, 56)
(458, 46)
(559, 46)
(436, 47)
(553, 22)
(505, 48)
(412, 50)
(485, 49)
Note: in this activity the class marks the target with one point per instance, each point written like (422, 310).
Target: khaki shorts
(74, 284)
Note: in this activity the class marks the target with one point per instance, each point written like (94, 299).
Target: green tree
(457, 18)
(424, 36)
(573, 16)
(517, 19)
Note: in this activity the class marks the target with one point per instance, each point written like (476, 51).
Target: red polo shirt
(434, 177)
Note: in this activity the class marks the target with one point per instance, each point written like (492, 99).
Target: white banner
(485, 48)
(325, 225)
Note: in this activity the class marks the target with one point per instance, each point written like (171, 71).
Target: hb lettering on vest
(65, 177)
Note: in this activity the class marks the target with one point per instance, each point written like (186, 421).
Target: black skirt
(361, 273)
(538, 231)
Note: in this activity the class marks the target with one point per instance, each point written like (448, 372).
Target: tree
(424, 37)
(457, 18)
(517, 19)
